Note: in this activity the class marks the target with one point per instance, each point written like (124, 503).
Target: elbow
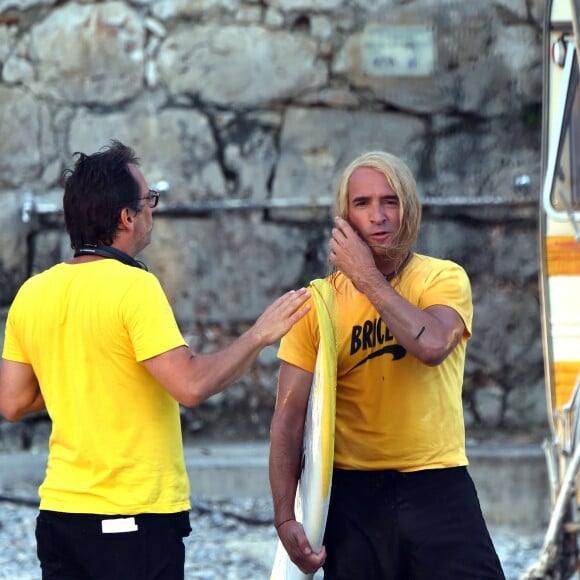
(433, 362)
(190, 400)
(11, 414)
(194, 396)
(433, 357)
(435, 353)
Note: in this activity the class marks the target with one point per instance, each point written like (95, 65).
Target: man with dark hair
(96, 342)
(402, 504)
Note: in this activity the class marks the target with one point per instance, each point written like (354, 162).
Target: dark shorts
(75, 547)
(425, 525)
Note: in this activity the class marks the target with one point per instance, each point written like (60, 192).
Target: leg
(361, 536)
(52, 550)
(444, 532)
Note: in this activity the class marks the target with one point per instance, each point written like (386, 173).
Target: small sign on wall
(399, 50)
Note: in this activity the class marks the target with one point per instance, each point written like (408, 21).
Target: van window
(566, 192)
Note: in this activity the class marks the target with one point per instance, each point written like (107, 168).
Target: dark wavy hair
(96, 190)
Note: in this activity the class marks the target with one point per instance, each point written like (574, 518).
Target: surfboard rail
(315, 483)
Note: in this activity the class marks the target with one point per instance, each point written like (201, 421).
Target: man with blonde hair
(402, 505)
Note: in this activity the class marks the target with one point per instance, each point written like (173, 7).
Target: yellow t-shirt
(116, 444)
(392, 411)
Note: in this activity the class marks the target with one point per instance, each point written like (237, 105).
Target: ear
(126, 219)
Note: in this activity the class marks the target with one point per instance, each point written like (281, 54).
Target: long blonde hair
(403, 184)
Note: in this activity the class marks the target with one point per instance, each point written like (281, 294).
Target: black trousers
(425, 525)
(75, 547)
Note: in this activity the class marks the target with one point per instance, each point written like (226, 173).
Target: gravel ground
(232, 539)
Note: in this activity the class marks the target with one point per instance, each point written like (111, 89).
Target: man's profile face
(144, 217)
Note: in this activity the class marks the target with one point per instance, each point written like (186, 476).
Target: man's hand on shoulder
(280, 316)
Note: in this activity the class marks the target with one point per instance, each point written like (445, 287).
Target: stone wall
(244, 112)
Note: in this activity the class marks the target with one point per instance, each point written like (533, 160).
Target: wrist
(280, 524)
(255, 337)
(370, 281)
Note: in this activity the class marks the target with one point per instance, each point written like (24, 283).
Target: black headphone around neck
(110, 252)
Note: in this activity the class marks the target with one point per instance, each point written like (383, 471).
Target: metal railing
(34, 206)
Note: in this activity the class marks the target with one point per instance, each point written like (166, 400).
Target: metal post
(576, 24)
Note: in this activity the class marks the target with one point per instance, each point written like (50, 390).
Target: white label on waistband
(119, 525)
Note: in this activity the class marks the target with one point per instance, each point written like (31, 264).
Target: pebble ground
(232, 539)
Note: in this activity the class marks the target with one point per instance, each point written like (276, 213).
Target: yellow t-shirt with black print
(392, 410)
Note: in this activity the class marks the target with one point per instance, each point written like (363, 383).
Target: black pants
(74, 547)
(425, 525)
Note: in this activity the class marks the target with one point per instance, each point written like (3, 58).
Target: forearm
(285, 462)
(284, 470)
(212, 373)
(191, 378)
(428, 334)
(417, 330)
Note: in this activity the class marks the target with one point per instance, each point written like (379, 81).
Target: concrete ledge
(512, 484)
(228, 470)
(511, 480)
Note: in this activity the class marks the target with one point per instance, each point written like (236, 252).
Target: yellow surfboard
(313, 492)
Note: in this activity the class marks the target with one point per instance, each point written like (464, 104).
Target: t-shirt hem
(107, 510)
